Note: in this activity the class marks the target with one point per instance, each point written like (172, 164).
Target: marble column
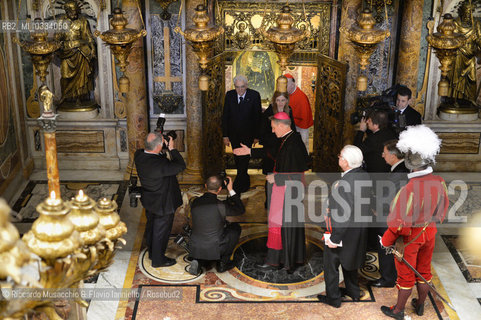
(410, 44)
(193, 105)
(137, 117)
(349, 13)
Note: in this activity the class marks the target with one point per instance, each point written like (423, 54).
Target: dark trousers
(230, 238)
(242, 181)
(387, 269)
(331, 276)
(157, 232)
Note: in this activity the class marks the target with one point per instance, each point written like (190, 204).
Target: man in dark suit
(241, 124)
(160, 194)
(346, 237)
(377, 122)
(396, 179)
(409, 116)
(211, 238)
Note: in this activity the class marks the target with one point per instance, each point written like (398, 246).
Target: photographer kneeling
(213, 238)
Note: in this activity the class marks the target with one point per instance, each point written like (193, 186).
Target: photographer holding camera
(160, 192)
(212, 237)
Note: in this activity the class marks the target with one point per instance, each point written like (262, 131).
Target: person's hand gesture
(363, 124)
(171, 143)
(230, 184)
(270, 178)
(242, 151)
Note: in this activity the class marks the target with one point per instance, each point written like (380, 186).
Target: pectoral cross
(167, 78)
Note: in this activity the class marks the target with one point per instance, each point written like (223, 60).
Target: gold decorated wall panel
(212, 107)
(329, 114)
(242, 21)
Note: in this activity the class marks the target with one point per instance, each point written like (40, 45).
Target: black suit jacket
(208, 224)
(160, 188)
(241, 122)
(348, 229)
(412, 116)
(372, 148)
(269, 140)
(393, 182)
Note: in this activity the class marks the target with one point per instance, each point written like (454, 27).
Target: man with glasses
(241, 124)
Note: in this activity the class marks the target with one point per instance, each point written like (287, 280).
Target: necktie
(241, 99)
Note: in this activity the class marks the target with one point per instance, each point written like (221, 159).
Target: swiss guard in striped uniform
(414, 212)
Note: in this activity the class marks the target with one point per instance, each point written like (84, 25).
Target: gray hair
(213, 183)
(241, 78)
(353, 155)
(392, 149)
(152, 140)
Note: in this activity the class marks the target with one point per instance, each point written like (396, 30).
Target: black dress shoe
(167, 263)
(333, 303)
(419, 308)
(355, 299)
(382, 284)
(389, 311)
(194, 268)
(224, 266)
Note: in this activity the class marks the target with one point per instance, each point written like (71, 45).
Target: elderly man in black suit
(346, 236)
(212, 238)
(396, 179)
(409, 116)
(241, 124)
(160, 193)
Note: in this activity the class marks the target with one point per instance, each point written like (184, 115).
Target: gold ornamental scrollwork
(242, 22)
(329, 115)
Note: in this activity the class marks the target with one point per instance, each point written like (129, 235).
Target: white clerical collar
(344, 173)
(150, 152)
(421, 173)
(286, 133)
(396, 164)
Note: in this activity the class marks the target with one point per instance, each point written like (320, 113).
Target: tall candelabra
(71, 241)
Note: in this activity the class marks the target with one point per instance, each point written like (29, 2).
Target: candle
(52, 200)
(81, 197)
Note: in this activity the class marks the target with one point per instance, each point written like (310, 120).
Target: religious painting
(261, 70)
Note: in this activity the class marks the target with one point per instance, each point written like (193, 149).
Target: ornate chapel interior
(82, 82)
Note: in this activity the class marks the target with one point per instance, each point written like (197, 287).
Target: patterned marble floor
(233, 295)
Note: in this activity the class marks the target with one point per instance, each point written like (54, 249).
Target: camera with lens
(160, 128)
(223, 178)
(182, 238)
(134, 192)
(384, 102)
